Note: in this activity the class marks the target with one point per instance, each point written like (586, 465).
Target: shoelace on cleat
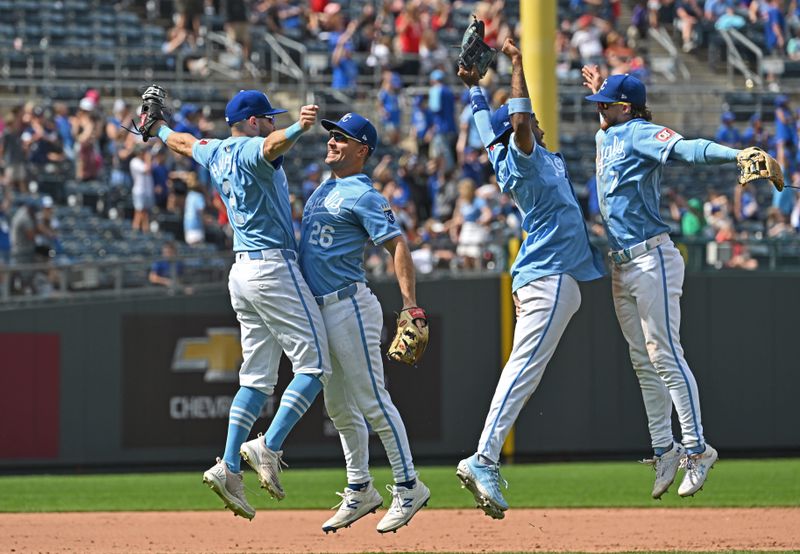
(397, 499)
(495, 477)
(348, 492)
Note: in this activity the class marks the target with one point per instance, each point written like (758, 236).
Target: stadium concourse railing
(45, 283)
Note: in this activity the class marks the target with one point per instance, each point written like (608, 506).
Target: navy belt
(337, 295)
(264, 254)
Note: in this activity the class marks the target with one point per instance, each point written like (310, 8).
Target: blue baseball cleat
(483, 481)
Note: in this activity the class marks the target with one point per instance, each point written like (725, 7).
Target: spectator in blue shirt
(311, 181)
(441, 103)
(756, 134)
(775, 27)
(422, 123)
(389, 105)
(193, 221)
(166, 271)
(189, 121)
(344, 68)
(727, 134)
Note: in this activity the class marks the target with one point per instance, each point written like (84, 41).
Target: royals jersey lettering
(338, 219)
(630, 160)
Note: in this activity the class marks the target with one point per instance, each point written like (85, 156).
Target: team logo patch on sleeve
(388, 214)
(665, 134)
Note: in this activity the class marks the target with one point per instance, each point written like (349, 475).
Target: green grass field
(735, 483)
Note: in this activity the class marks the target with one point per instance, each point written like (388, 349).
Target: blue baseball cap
(728, 116)
(437, 75)
(355, 127)
(248, 103)
(501, 124)
(621, 88)
(781, 100)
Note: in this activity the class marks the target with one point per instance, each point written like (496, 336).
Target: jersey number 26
(321, 235)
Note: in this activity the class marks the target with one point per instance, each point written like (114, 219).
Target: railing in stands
(673, 64)
(736, 61)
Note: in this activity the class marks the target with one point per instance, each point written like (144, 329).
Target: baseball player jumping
(273, 303)
(647, 269)
(340, 217)
(555, 255)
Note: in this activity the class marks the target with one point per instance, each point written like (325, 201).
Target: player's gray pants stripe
(547, 306)
(375, 389)
(678, 362)
(305, 307)
(355, 394)
(647, 293)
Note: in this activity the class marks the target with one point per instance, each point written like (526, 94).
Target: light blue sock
(296, 399)
(245, 408)
(661, 450)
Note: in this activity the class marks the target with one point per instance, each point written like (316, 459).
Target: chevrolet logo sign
(218, 355)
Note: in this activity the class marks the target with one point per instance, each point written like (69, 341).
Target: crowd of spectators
(431, 167)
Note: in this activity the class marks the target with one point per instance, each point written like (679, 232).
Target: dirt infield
(590, 530)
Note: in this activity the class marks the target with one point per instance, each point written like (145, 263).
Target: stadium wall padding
(147, 381)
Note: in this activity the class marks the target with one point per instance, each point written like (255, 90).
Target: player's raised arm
(152, 123)
(519, 106)
(480, 106)
(280, 141)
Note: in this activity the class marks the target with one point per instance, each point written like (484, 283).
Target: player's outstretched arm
(279, 142)
(404, 269)
(480, 107)
(180, 143)
(519, 106)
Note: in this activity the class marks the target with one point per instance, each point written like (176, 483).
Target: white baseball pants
(546, 306)
(277, 313)
(355, 393)
(647, 292)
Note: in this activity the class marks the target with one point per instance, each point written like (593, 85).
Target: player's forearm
(281, 141)
(404, 269)
(519, 107)
(702, 151)
(481, 115)
(180, 143)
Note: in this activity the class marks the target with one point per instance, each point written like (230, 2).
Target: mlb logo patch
(388, 214)
(665, 134)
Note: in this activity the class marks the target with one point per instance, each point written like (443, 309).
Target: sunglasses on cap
(340, 137)
(269, 118)
(607, 105)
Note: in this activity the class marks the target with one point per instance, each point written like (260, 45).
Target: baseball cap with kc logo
(355, 127)
(621, 88)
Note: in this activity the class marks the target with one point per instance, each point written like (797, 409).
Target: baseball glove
(151, 112)
(411, 338)
(475, 52)
(756, 164)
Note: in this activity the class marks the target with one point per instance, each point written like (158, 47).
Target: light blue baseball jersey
(254, 190)
(557, 240)
(339, 219)
(630, 160)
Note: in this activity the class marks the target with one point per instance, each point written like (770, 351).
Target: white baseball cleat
(266, 463)
(229, 486)
(666, 468)
(405, 503)
(354, 506)
(697, 467)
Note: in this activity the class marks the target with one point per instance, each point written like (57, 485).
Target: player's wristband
(294, 131)
(519, 105)
(164, 132)
(477, 100)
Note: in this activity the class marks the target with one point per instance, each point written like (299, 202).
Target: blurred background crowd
(77, 187)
